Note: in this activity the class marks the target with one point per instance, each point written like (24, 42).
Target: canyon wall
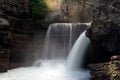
(105, 39)
(16, 35)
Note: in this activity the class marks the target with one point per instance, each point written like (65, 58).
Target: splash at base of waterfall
(49, 70)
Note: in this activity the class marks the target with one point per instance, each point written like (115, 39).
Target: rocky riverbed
(105, 71)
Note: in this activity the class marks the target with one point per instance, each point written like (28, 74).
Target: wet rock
(104, 32)
(105, 41)
(5, 44)
(105, 71)
(115, 57)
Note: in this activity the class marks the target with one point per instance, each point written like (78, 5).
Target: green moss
(38, 7)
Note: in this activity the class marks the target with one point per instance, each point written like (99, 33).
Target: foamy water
(56, 69)
(48, 70)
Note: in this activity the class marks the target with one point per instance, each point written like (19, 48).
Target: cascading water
(58, 41)
(52, 68)
(60, 38)
(75, 57)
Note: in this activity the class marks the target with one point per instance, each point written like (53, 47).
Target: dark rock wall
(105, 40)
(22, 35)
(105, 31)
(17, 46)
(16, 8)
(5, 47)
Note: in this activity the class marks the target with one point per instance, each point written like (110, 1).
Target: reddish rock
(116, 57)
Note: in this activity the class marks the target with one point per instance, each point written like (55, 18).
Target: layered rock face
(105, 40)
(105, 71)
(105, 31)
(5, 44)
(15, 37)
(16, 8)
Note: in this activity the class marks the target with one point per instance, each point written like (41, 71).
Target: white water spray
(75, 57)
(51, 69)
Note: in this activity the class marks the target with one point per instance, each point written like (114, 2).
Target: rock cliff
(105, 40)
(105, 31)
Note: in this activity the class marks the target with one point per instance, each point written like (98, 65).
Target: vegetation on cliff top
(39, 7)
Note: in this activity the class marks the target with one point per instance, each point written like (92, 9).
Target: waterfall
(59, 40)
(75, 57)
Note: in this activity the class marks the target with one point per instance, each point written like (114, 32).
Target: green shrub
(38, 7)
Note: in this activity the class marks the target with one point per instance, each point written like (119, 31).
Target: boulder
(105, 71)
(115, 57)
(104, 32)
